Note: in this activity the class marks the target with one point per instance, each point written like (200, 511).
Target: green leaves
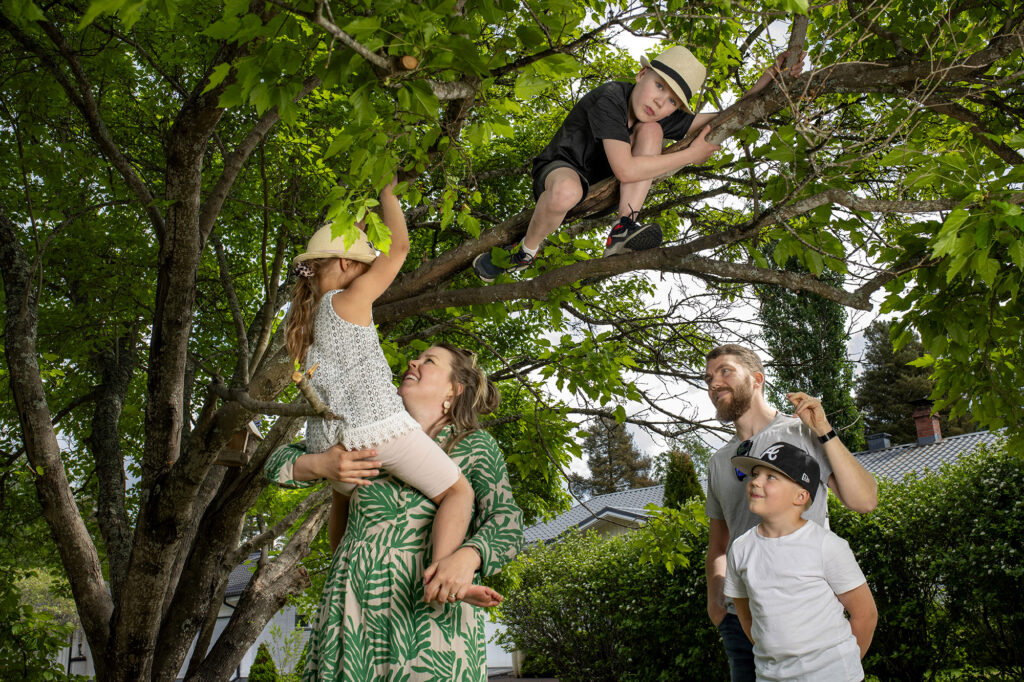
(22, 10)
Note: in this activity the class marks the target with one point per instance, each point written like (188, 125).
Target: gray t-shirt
(727, 494)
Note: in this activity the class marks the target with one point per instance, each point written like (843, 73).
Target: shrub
(30, 637)
(589, 608)
(977, 551)
(942, 555)
(263, 668)
(892, 548)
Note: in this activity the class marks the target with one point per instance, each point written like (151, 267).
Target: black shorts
(540, 174)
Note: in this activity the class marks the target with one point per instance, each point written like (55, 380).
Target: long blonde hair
(305, 295)
(478, 396)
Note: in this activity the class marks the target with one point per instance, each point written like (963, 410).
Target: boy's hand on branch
(774, 71)
(795, 70)
(701, 148)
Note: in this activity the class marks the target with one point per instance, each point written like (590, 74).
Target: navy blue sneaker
(487, 270)
(627, 235)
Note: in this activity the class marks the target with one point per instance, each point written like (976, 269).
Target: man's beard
(736, 407)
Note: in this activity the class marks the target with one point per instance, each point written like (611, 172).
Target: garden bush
(942, 555)
(978, 538)
(263, 668)
(594, 608)
(892, 546)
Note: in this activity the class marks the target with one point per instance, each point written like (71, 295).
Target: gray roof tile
(891, 463)
(241, 575)
(630, 502)
(899, 460)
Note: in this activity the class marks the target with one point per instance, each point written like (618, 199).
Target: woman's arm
(338, 520)
(497, 526)
(290, 466)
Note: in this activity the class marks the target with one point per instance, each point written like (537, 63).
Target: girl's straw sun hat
(323, 245)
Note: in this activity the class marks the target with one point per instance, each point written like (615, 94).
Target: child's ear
(640, 73)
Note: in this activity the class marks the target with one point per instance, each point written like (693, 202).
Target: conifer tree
(806, 336)
(888, 385)
(614, 461)
(263, 668)
(680, 477)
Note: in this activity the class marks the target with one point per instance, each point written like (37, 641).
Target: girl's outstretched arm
(368, 287)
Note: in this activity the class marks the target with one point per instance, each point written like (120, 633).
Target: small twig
(242, 397)
(311, 396)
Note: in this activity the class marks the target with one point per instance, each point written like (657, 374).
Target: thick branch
(117, 367)
(265, 594)
(234, 161)
(670, 259)
(78, 553)
(80, 94)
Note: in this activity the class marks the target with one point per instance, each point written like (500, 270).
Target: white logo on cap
(772, 453)
(805, 478)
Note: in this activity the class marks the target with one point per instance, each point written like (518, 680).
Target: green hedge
(943, 556)
(589, 608)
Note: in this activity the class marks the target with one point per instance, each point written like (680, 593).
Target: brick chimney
(927, 424)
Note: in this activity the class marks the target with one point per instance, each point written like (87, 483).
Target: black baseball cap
(789, 460)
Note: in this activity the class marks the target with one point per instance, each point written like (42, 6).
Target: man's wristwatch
(827, 437)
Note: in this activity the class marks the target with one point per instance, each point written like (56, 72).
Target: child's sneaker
(487, 270)
(627, 235)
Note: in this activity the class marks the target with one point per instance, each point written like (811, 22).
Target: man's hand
(716, 612)
(810, 412)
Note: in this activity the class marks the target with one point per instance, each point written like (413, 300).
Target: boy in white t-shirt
(791, 579)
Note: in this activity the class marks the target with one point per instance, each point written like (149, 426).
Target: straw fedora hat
(323, 245)
(681, 70)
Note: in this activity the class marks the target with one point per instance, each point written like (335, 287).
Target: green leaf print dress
(372, 623)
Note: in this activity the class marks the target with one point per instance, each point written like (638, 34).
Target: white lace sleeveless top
(355, 382)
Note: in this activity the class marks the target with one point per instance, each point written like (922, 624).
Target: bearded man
(735, 378)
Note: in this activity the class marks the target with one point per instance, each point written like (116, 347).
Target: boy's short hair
(746, 357)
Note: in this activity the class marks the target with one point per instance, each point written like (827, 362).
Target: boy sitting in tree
(618, 129)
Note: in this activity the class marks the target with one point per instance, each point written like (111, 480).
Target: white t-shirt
(799, 630)
(727, 493)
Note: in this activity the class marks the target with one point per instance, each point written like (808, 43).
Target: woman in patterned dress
(377, 620)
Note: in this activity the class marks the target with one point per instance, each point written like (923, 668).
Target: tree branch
(78, 553)
(234, 161)
(241, 374)
(81, 97)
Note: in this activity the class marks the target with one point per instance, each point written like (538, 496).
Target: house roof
(890, 463)
(897, 461)
(626, 505)
(241, 575)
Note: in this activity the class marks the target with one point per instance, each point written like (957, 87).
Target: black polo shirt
(603, 113)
